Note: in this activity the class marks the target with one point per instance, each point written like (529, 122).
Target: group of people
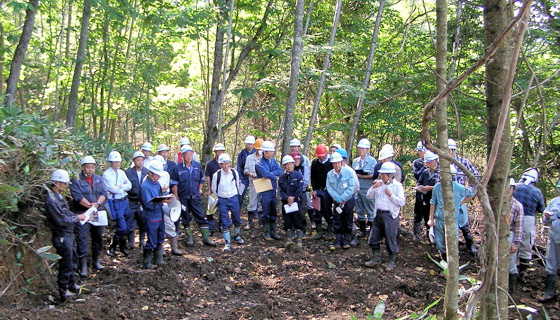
(326, 190)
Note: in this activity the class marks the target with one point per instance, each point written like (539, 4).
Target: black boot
(113, 247)
(83, 267)
(130, 244)
(469, 240)
(122, 247)
(550, 288)
(417, 231)
(148, 258)
(158, 255)
(512, 283)
(362, 225)
(95, 261)
(524, 264)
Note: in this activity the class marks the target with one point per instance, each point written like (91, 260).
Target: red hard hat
(295, 155)
(321, 150)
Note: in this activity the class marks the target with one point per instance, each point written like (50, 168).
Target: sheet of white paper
(88, 214)
(241, 188)
(100, 220)
(293, 208)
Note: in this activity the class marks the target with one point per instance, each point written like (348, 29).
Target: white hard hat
(138, 154)
(250, 140)
(287, 159)
(268, 146)
(451, 144)
(364, 144)
(530, 176)
(420, 146)
(162, 147)
(156, 167)
(384, 154)
(186, 148)
(223, 158)
(114, 156)
(159, 159)
(147, 146)
(430, 156)
(60, 175)
(388, 167)
(336, 145)
(219, 147)
(88, 159)
(336, 157)
(512, 182)
(184, 141)
(295, 143)
(453, 169)
(388, 147)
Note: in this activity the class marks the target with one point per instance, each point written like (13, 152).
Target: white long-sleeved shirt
(229, 186)
(113, 179)
(384, 202)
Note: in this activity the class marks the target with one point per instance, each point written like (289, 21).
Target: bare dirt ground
(263, 280)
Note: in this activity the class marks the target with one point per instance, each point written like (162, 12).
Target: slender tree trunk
(19, 54)
(297, 52)
(224, 72)
(365, 84)
(80, 57)
(321, 85)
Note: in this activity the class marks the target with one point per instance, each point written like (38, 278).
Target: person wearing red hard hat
(320, 167)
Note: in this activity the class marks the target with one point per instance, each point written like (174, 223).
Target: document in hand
(161, 198)
(262, 185)
(100, 219)
(88, 214)
(293, 208)
(316, 203)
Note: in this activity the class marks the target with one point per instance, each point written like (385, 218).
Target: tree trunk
(19, 54)
(323, 77)
(297, 51)
(365, 84)
(80, 57)
(224, 73)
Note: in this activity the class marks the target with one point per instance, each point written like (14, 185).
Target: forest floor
(263, 280)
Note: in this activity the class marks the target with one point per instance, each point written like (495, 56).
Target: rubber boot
(375, 260)
(142, 236)
(130, 243)
(346, 241)
(512, 283)
(250, 218)
(319, 229)
(122, 247)
(469, 240)
(188, 233)
(158, 255)
(289, 238)
(362, 225)
(391, 262)
(95, 262)
(337, 243)
(273, 233)
(227, 240)
(65, 293)
(210, 219)
(83, 267)
(206, 237)
(330, 235)
(524, 264)
(299, 240)
(237, 235)
(148, 256)
(417, 231)
(267, 236)
(550, 288)
(175, 247)
(113, 247)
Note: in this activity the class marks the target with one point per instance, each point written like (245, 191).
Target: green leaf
(50, 256)
(43, 249)
(4, 241)
(26, 169)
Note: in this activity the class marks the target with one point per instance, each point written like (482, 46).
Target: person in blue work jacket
(136, 175)
(88, 190)
(427, 179)
(62, 222)
(551, 217)
(153, 214)
(241, 159)
(341, 186)
(364, 165)
(291, 186)
(268, 168)
(117, 185)
(187, 180)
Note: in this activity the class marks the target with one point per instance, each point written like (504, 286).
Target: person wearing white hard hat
(427, 179)
(250, 171)
(334, 147)
(163, 151)
(88, 190)
(295, 146)
(268, 168)
(117, 185)
(291, 189)
(226, 185)
(211, 167)
(151, 192)
(551, 217)
(241, 160)
(386, 155)
(341, 186)
(389, 199)
(461, 196)
(364, 166)
(62, 222)
(418, 164)
(187, 180)
(136, 175)
(320, 167)
(179, 155)
(533, 203)
(147, 151)
(516, 215)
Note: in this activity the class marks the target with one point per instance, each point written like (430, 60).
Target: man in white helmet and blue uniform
(364, 166)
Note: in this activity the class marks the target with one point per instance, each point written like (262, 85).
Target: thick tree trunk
(297, 51)
(321, 84)
(80, 57)
(365, 84)
(19, 54)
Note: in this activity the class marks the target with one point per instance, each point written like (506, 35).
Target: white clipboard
(293, 208)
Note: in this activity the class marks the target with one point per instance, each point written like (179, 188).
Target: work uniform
(553, 245)
(211, 167)
(364, 205)
(426, 177)
(241, 160)
(188, 181)
(341, 187)
(319, 171)
(291, 184)
(254, 197)
(269, 169)
(226, 186)
(153, 214)
(135, 218)
(117, 184)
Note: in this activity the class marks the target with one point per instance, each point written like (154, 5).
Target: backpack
(234, 178)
